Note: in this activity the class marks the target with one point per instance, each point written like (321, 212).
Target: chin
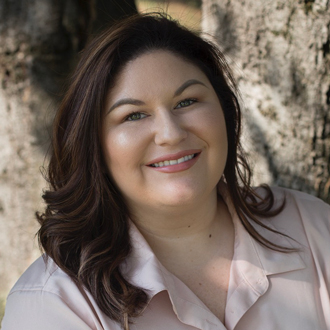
(180, 198)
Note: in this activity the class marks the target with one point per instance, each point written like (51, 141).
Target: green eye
(185, 103)
(135, 116)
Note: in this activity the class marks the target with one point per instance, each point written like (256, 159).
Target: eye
(135, 116)
(185, 103)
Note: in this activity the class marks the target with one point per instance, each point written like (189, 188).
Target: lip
(177, 167)
(175, 156)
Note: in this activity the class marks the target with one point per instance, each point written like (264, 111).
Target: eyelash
(127, 118)
(187, 102)
(190, 101)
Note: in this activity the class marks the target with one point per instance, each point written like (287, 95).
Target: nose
(169, 128)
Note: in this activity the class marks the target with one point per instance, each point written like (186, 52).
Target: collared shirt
(268, 290)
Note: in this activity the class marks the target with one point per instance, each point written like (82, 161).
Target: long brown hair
(84, 228)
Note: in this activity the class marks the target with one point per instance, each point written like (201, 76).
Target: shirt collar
(247, 249)
(144, 270)
(252, 263)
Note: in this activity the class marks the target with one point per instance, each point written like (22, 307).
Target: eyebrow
(126, 101)
(187, 84)
(136, 102)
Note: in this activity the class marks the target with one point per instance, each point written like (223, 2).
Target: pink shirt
(268, 290)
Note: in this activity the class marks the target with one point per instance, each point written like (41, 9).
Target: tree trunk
(39, 43)
(280, 51)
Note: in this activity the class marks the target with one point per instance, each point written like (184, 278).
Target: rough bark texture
(280, 51)
(39, 43)
(36, 47)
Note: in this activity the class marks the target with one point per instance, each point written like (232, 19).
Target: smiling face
(164, 136)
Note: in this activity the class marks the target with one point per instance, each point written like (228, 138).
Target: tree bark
(39, 43)
(280, 51)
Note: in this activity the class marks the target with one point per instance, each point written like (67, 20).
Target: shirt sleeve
(315, 216)
(40, 310)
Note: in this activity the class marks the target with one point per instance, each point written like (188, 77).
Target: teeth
(173, 162)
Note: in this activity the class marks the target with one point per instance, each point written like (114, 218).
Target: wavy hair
(84, 228)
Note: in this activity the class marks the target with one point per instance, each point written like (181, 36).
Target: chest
(210, 284)
(272, 311)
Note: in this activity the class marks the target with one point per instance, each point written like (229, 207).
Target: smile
(174, 161)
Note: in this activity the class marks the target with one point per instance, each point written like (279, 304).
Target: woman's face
(164, 134)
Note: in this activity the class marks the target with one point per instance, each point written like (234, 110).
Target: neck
(186, 231)
(177, 221)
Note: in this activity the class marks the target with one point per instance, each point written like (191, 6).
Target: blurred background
(279, 52)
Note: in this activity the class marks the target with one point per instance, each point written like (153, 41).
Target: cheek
(212, 124)
(122, 150)
(216, 133)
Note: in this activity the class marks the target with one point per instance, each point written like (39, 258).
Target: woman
(151, 222)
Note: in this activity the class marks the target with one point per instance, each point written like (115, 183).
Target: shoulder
(293, 195)
(44, 276)
(307, 209)
(300, 205)
(305, 219)
(296, 195)
(46, 298)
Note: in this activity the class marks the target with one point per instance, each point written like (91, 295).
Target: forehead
(154, 71)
